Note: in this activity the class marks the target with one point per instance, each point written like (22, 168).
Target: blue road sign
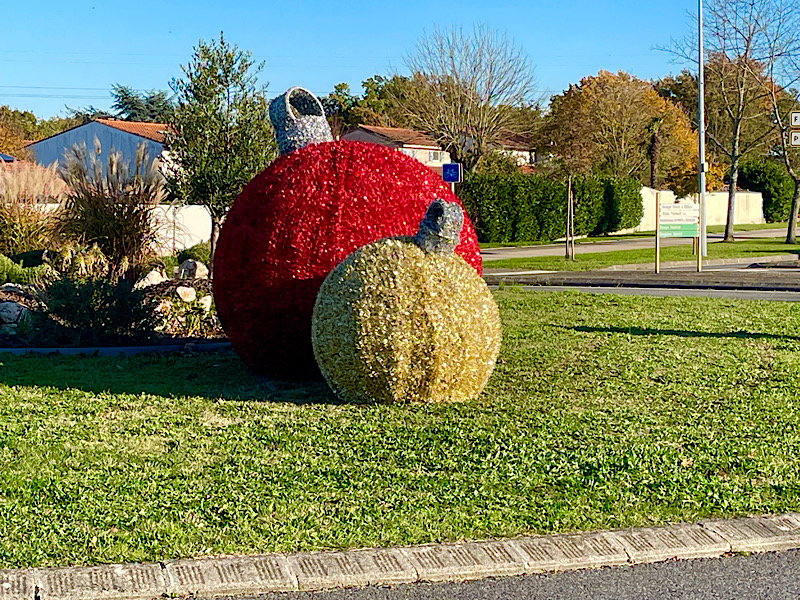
(451, 173)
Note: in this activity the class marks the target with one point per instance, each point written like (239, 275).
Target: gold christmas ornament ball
(396, 323)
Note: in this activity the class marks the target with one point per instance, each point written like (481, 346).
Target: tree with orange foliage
(617, 125)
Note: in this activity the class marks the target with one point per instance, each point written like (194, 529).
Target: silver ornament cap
(298, 119)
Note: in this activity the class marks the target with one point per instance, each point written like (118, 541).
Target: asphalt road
(489, 254)
(769, 576)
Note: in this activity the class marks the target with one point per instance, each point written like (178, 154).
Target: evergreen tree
(222, 134)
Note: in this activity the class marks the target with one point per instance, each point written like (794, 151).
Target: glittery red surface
(298, 219)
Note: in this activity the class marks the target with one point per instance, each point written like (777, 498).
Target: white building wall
(748, 208)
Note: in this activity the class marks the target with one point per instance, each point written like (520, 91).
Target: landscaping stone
(110, 582)
(206, 302)
(755, 534)
(187, 294)
(673, 541)
(16, 584)
(469, 560)
(230, 575)
(193, 269)
(10, 312)
(12, 287)
(154, 277)
(571, 551)
(320, 570)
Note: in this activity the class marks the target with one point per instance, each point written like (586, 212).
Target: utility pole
(701, 138)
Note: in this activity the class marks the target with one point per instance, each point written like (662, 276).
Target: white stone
(154, 277)
(202, 271)
(205, 302)
(193, 269)
(187, 294)
(11, 287)
(10, 312)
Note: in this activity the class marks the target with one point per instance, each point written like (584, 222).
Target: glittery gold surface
(393, 323)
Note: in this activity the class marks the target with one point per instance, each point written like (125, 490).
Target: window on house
(434, 156)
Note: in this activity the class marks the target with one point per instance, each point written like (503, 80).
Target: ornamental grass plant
(112, 204)
(29, 197)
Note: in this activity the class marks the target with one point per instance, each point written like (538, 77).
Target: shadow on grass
(681, 332)
(215, 375)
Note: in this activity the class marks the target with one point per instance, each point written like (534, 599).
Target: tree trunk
(731, 202)
(791, 237)
(212, 243)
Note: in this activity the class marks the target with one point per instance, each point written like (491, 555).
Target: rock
(154, 277)
(205, 302)
(8, 329)
(12, 287)
(193, 269)
(10, 313)
(187, 294)
(202, 271)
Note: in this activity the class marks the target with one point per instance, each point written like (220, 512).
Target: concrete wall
(181, 227)
(52, 149)
(747, 209)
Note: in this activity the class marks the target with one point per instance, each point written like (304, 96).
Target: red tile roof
(151, 131)
(404, 136)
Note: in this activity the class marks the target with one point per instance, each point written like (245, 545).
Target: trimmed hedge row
(519, 208)
(775, 185)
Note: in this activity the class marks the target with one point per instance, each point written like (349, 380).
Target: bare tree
(781, 66)
(737, 114)
(463, 85)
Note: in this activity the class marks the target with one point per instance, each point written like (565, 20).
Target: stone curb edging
(774, 258)
(117, 350)
(305, 571)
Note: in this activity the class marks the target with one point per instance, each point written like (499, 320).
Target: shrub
(511, 208)
(621, 207)
(14, 272)
(200, 252)
(112, 205)
(28, 195)
(775, 185)
(496, 162)
(90, 313)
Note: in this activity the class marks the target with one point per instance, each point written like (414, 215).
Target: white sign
(679, 213)
(796, 119)
(794, 138)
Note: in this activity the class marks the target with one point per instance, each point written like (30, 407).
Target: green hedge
(517, 208)
(775, 185)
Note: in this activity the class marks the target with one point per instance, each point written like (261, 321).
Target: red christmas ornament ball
(293, 223)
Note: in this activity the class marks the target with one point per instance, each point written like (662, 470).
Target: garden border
(460, 561)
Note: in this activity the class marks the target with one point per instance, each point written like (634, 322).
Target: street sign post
(452, 173)
(676, 219)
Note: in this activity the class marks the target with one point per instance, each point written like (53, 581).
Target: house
(122, 136)
(5, 158)
(519, 147)
(408, 141)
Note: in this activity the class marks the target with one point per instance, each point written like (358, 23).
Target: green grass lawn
(637, 235)
(604, 411)
(602, 260)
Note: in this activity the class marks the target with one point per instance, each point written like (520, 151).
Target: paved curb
(230, 575)
(124, 350)
(774, 258)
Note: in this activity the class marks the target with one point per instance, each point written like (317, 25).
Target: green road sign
(679, 230)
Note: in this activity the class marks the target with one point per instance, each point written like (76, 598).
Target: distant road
(612, 244)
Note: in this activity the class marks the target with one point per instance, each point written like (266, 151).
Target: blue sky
(54, 54)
